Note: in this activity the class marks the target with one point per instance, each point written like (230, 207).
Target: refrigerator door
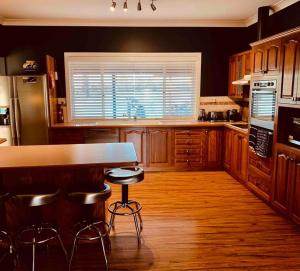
(5, 102)
(31, 110)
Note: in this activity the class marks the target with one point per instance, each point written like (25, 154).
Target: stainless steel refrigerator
(26, 99)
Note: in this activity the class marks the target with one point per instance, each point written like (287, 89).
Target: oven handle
(264, 91)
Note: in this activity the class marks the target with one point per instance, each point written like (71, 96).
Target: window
(127, 85)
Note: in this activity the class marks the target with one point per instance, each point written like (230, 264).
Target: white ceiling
(168, 13)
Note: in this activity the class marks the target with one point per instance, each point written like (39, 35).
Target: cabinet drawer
(262, 164)
(187, 151)
(260, 180)
(188, 133)
(188, 142)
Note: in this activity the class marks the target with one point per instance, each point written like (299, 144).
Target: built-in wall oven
(263, 101)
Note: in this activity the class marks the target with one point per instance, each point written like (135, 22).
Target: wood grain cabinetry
(137, 136)
(260, 175)
(160, 147)
(214, 148)
(266, 58)
(290, 72)
(286, 182)
(239, 66)
(198, 148)
(66, 136)
(236, 154)
(227, 146)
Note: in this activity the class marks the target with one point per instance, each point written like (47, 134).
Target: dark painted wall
(279, 22)
(216, 44)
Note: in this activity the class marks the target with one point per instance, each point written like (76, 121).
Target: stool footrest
(116, 207)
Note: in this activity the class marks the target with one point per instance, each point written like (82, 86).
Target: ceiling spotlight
(139, 7)
(125, 7)
(113, 6)
(153, 6)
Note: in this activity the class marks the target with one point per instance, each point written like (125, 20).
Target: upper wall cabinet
(290, 74)
(239, 66)
(266, 58)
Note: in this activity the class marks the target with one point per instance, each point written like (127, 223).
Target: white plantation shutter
(123, 87)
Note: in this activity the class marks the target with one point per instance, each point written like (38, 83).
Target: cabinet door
(160, 147)
(295, 197)
(214, 147)
(232, 76)
(272, 51)
(235, 163)
(281, 183)
(258, 60)
(243, 143)
(247, 63)
(227, 148)
(290, 48)
(138, 138)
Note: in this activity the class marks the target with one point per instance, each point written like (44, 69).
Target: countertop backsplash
(218, 103)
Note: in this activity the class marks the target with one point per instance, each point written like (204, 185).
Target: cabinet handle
(284, 156)
(206, 132)
(187, 151)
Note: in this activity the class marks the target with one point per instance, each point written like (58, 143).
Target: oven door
(263, 108)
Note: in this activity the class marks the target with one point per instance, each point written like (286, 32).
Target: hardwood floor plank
(196, 221)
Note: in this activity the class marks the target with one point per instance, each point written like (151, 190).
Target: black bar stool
(4, 236)
(126, 207)
(40, 232)
(88, 229)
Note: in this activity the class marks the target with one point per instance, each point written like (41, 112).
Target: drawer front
(188, 142)
(262, 164)
(260, 180)
(188, 133)
(187, 151)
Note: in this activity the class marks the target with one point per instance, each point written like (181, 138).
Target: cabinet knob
(187, 151)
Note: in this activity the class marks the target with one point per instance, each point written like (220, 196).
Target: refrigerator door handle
(17, 121)
(12, 120)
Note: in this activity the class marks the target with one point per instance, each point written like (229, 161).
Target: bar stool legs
(125, 208)
(36, 232)
(5, 236)
(85, 226)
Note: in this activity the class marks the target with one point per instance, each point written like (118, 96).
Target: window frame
(96, 56)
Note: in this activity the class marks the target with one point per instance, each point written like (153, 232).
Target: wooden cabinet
(266, 58)
(236, 154)
(286, 182)
(295, 193)
(137, 136)
(160, 147)
(260, 175)
(198, 148)
(239, 66)
(154, 146)
(214, 148)
(66, 136)
(227, 146)
(290, 72)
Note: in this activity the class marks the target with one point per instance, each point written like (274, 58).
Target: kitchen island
(64, 167)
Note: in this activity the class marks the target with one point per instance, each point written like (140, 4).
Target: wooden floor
(195, 221)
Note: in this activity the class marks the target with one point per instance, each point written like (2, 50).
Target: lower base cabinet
(176, 148)
(260, 175)
(160, 148)
(236, 154)
(138, 138)
(286, 182)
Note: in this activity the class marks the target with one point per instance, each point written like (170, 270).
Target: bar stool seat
(88, 229)
(126, 207)
(38, 232)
